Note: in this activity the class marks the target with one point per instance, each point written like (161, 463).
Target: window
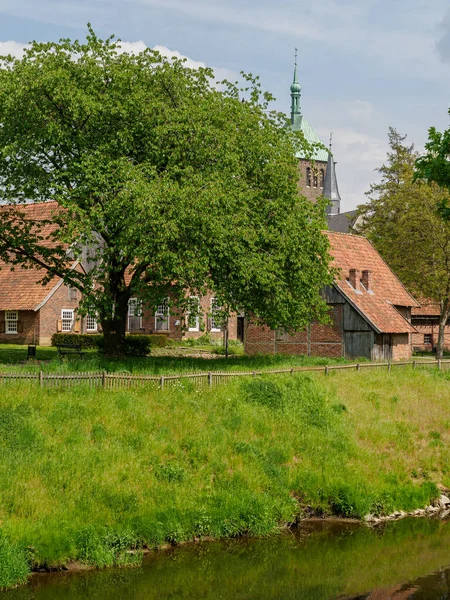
(67, 319)
(193, 316)
(316, 179)
(216, 317)
(91, 323)
(162, 316)
(322, 177)
(308, 177)
(71, 293)
(428, 338)
(11, 318)
(134, 314)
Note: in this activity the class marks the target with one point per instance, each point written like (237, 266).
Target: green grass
(161, 362)
(87, 474)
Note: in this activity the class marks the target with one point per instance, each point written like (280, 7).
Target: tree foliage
(172, 182)
(434, 165)
(402, 221)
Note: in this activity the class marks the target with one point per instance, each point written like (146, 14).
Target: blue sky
(363, 64)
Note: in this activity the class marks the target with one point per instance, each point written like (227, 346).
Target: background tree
(171, 183)
(434, 165)
(402, 222)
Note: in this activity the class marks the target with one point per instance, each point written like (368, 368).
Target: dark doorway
(240, 329)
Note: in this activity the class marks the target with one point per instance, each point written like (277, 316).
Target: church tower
(312, 168)
(330, 187)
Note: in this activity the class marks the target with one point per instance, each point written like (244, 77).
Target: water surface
(321, 561)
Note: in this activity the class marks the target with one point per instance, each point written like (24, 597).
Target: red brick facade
(315, 179)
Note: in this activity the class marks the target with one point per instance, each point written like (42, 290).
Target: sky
(364, 65)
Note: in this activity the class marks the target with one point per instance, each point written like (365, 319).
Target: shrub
(135, 345)
(14, 568)
(86, 341)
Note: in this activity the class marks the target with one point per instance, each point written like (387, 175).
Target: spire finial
(295, 91)
(331, 140)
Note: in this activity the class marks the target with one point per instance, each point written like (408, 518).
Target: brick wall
(176, 322)
(28, 325)
(310, 192)
(430, 327)
(50, 313)
(401, 346)
(315, 340)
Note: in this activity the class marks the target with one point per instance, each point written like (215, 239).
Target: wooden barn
(370, 311)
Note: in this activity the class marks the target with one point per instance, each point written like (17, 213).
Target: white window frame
(91, 323)
(162, 316)
(11, 321)
(66, 321)
(214, 309)
(196, 327)
(135, 312)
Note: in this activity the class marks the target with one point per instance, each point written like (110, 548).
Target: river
(320, 561)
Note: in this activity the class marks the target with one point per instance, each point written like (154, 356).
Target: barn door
(358, 344)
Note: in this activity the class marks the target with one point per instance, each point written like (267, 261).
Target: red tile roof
(427, 308)
(356, 252)
(19, 288)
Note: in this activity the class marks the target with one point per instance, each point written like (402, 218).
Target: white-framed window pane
(216, 317)
(11, 318)
(134, 307)
(134, 314)
(91, 323)
(193, 316)
(67, 318)
(162, 316)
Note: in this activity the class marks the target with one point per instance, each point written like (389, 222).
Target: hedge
(136, 345)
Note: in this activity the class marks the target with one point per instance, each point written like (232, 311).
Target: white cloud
(16, 49)
(219, 72)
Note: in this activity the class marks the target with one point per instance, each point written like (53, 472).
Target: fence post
(357, 367)
(439, 364)
(162, 381)
(292, 371)
(210, 379)
(254, 373)
(389, 366)
(103, 379)
(41, 378)
(414, 364)
(326, 370)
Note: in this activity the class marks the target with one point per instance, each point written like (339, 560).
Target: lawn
(162, 361)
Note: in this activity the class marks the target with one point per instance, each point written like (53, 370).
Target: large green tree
(172, 182)
(402, 222)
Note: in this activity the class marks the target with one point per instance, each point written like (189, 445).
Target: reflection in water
(322, 561)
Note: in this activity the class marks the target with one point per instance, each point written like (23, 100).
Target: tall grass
(88, 474)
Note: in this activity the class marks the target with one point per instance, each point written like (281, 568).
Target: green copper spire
(295, 93)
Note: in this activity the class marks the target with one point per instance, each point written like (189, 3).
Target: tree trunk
(445, 313)
(114, 329)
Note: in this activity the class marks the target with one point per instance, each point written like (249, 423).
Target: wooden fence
(111, 381)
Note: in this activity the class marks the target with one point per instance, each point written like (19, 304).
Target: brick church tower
(317, 172)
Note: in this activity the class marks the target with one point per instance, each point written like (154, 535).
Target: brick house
(168, 320)
(31, 313)
(370, 311)
(425, 320)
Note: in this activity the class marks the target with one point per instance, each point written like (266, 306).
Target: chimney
(366, 279)
(353, 278)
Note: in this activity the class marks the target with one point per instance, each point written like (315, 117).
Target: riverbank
(89, 475)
